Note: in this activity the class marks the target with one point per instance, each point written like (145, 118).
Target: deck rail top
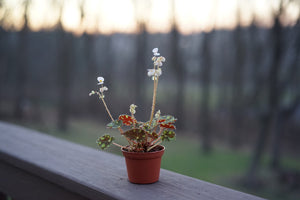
(34, 165)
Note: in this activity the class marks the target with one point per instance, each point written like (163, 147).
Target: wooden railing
(38, 166)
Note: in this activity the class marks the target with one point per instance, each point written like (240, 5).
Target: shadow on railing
(39, 166)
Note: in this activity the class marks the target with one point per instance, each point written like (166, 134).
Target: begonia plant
(141, 136)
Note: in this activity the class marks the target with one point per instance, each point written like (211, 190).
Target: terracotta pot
(143, 167)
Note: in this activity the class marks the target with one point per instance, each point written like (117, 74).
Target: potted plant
(143, 152)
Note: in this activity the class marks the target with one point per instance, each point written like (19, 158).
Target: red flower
(171, 126)
(161, 120)
(127, 120)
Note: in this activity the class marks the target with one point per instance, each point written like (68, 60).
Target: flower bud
(157, 114)
(132, 109)
(91, 93)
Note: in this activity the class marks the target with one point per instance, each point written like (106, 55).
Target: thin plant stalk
(107, 109)
(158, 136)
(154, 146)
(153, 100)
(118, 145)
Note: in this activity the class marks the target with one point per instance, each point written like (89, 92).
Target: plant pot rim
(153, 152)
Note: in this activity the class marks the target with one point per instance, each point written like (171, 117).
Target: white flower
(100, 80)
(162, 59)
(159, 61)
(132, 109)
(158, 72)
(102, 89)
(154, 72)
(151, 72)
(155, 52)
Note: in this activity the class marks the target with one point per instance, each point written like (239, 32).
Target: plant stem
(107, 109)
(129, 142)
(120, 129)
(134, 120)
(158, 136)
(154, 146)
(153, 100)
(117, 145)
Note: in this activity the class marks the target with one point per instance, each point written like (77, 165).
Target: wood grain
(72, 171)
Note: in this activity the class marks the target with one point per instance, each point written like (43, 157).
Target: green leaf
(168, 135)
(147, 127)
(166, 119)
(105, 141)
(114, 124)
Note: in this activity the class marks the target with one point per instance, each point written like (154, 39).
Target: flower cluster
(141, 136)
(102, 89)
(157, 63)
(132, 109)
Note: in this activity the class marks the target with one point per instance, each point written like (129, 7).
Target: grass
(185, 157)
(222, 166)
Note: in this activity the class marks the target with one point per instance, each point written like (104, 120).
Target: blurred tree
(206, 67)
(289, 85)
(106, 64)
(237, 85)
(180, 72)
(91, 65)
(271, 117)
(271, 109)
(2, 68)
(257, 53)
(281, 120)
(141, 46)
(88, 56)
(95, 44)
(64, 72)
(205, 81)
(22, 71)
(6, 12)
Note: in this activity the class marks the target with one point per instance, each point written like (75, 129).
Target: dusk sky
(107, 16)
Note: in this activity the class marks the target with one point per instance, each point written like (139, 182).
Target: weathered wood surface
(35, 165)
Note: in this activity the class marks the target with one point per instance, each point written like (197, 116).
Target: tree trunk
(286, 113)
(273, 97)
(180, 74)
(64, 80)
(140, 72)
(205, 118)
(91, 69)
(283, 116)
(237, 92)
(22, 75)
(258, 150)
(275, 148)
